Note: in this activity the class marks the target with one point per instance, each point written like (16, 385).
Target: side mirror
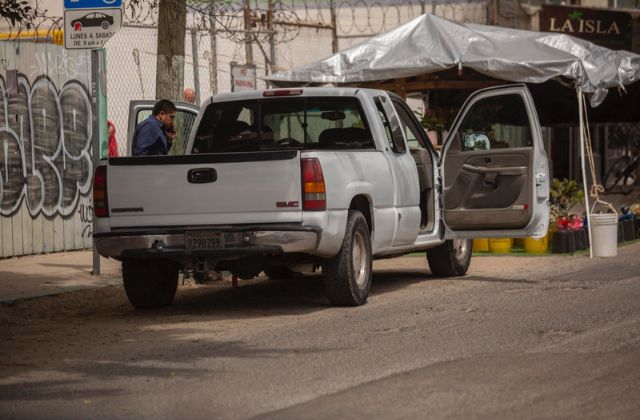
(476, 141)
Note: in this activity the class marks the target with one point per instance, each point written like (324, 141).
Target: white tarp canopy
(430, 44)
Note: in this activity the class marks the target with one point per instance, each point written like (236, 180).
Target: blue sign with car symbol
(91, 4)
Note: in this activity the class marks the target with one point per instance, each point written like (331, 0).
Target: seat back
(345, 138)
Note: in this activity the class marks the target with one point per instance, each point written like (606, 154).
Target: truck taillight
(314, 195)
(100, 203)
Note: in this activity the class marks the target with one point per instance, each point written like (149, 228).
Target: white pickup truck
(291, 180)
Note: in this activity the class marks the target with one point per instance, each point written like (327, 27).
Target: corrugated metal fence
(47, 121)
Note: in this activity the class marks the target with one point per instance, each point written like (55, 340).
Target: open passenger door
(495, 173)
(185, 117)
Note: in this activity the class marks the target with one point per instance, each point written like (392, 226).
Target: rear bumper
(246, 241)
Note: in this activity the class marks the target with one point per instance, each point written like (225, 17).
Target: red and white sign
(243, 77)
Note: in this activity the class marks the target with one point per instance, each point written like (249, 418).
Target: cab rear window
(283, 123)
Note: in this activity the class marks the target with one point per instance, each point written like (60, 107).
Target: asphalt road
(518, 337)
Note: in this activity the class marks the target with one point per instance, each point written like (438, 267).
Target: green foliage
(18, 12)
(438, 118)
(564, 195)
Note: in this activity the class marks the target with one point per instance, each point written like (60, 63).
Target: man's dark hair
(163, 105)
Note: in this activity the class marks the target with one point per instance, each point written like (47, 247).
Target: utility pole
(172, 23)
(334, 27)
(272, 36)
(196, 67)
(213, 60)
(248, 25)
(494, 12)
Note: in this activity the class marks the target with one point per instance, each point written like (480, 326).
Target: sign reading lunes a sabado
(89, 24)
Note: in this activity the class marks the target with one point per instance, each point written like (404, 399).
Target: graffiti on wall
(45, 140)
(86, 217)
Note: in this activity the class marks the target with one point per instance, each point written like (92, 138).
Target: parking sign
(91, 4)
(89, 24)
(90, 28)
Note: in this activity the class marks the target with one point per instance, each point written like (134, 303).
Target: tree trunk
(172, 22)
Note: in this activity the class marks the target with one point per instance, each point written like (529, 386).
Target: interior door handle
(202, 175)
(502, 170)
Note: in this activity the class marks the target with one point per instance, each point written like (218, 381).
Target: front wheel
(347, 276)
(451, 259)
(150, 283)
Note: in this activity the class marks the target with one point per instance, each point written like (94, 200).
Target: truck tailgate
(215, 189)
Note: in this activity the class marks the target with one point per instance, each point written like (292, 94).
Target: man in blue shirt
(154, 135)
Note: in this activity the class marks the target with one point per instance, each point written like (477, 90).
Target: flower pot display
(634, 209)
(481, 245)
(536, 245)
(620, 232)
(500, 245)
(518, 242)
(564, 242)
(628, 229)
(580, 237)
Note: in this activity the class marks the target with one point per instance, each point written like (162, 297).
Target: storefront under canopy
(448, 59)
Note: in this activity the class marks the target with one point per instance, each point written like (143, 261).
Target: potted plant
(566, 228)
(436, 121)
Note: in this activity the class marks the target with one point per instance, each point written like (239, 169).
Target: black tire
(451, 259)
(280, 273)
(150, 283)
(347, 276)
(105, 25)
(615, 174)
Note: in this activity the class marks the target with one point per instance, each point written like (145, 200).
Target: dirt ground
(553, 336)
(37, 330)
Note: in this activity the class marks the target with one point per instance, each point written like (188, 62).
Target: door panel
(488, 184)
(493, 162)
(185, 118)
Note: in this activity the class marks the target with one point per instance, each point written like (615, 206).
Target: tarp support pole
(582, 164)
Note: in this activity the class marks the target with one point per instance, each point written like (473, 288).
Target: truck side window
(496, 122)
(412, 131)
(183, 124)
(391, 125)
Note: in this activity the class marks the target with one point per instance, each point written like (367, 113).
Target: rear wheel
(451, 259)
(347, 276)
(150, 283)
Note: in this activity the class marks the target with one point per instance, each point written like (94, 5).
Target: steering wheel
(288, 141)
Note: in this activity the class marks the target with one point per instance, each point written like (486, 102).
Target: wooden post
(334, 27)
(213, 61)
(272, 37)
(172, 23)
(248, 46)
(196, 70)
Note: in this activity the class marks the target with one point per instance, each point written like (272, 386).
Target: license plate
(204, 240)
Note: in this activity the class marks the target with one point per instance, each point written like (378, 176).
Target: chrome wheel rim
(359, 259)
(460, 247)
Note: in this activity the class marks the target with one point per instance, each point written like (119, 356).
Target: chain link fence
(274, 35)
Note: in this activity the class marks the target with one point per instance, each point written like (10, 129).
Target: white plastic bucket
(604, 234)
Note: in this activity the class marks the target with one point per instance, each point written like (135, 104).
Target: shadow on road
(295, 296)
